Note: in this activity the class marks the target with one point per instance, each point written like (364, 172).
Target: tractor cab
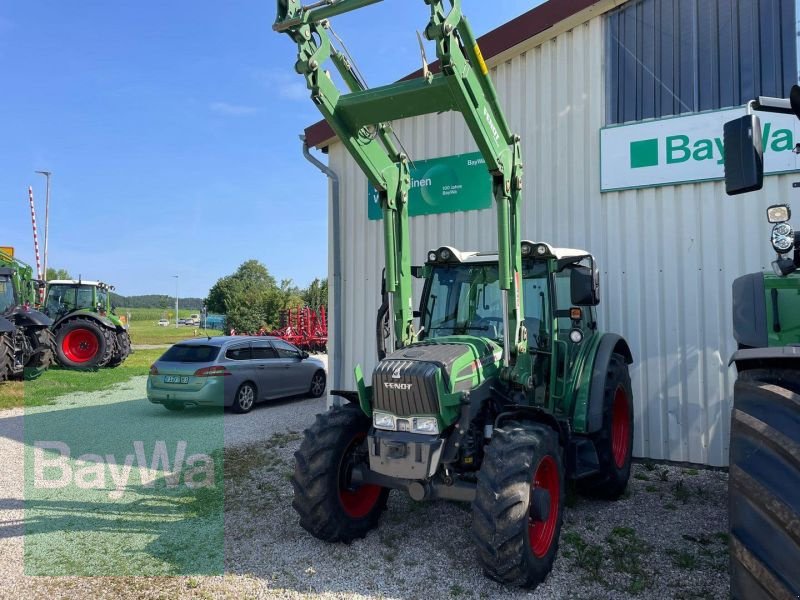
(66, 296)
(8, 297)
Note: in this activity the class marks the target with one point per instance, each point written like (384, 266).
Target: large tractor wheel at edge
(122, 349)
(6, 356)
(519, 504)
(83, 343)
(614, 441)
(43, 343)
(331, 508)
(764, 512)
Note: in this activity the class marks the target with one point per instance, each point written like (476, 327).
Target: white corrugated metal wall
(668, 255)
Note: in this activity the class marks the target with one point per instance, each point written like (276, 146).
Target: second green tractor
(501, 390)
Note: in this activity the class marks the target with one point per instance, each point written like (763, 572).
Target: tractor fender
(6, 326)
(104, 321)
(610, 343)
(31, 318)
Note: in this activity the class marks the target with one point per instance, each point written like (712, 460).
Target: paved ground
(666, 539)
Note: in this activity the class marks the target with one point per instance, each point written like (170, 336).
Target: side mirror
(303, 355)
(744, 159)
(416, 272)
(584, 286)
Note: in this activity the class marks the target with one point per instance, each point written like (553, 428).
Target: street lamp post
(46, 217)
(176, 301)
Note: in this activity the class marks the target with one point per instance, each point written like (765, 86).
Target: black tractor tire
(44, 345)
(245, 398)
(614, 441)
(122, 349)
(764, 477)
(519, 504)
(84, 343)
(318, 385)
(6, 356)
(330, 508)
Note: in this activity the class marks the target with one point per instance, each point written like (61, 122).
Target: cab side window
(238, 353)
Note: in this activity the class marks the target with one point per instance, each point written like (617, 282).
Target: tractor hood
(429, 378)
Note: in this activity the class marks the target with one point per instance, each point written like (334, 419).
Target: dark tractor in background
(764, 496)
(26, 343)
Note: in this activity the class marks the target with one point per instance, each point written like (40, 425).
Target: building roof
(495, 42)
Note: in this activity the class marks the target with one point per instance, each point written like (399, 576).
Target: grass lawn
(147, 332)
(57, 382)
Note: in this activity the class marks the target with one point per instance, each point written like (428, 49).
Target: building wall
(668, 255)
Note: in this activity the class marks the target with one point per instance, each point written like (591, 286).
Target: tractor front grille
(405, 387)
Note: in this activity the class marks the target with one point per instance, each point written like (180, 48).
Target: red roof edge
(497, 41)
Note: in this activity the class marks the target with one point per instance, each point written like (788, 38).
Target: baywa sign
(687, 149)
(442, 185)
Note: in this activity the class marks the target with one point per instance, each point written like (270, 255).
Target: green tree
(53, 274)
(316, 294)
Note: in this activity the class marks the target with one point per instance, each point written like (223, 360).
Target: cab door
(269, 370)
(295, 378)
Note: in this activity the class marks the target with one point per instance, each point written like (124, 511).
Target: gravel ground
(665, 539)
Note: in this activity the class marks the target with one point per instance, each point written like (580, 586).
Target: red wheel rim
(80, 345)
(542, 533)
(620, 428)
(359, 501)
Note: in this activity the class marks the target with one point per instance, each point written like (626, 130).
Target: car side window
(263, 350)
(238, 353)
(286, 350)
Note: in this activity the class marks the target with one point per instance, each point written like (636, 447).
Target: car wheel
(174, 406)
(245, 398)
(317, 384)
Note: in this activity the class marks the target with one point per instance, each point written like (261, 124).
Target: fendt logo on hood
(396, 373)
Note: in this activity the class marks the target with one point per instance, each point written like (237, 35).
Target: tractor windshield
(465, 300)
(6, 294)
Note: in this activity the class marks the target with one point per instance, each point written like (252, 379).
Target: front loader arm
(361, 118)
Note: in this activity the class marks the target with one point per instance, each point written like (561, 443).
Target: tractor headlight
(782, 238)
(445, 254)
(779, 213)
(431, 256)
(429, 425)
(527, 249)
(383, 421)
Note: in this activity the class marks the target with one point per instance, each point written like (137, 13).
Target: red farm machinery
(304, 327)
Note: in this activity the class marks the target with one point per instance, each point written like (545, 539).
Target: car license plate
(175, 379)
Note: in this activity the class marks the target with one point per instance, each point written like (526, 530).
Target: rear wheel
(122, 349)
(331, 507)
(317, 384)
(614, 441)
(83, 343)
(519, 503)
(245, 398)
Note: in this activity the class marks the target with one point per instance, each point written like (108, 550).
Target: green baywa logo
(681, 148)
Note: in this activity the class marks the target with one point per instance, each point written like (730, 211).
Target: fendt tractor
(88, 334)
(26, 343)
(764, 503)
(506, 389)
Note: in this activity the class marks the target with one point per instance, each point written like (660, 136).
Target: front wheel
(331, 507)
(317, 384)
(519, 503)
(122, 349)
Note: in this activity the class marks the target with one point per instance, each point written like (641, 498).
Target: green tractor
(88, 334)
(505, 389)
(764, 504)
(26, 343)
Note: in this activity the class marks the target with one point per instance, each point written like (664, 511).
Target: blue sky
(171, 129)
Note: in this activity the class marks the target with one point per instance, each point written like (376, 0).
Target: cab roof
(493, 256)
(80, 282)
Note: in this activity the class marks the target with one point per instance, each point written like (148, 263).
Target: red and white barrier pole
(36, 242)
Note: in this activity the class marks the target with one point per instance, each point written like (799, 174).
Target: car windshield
(465, 299)
(6, 294)
(190, 353)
